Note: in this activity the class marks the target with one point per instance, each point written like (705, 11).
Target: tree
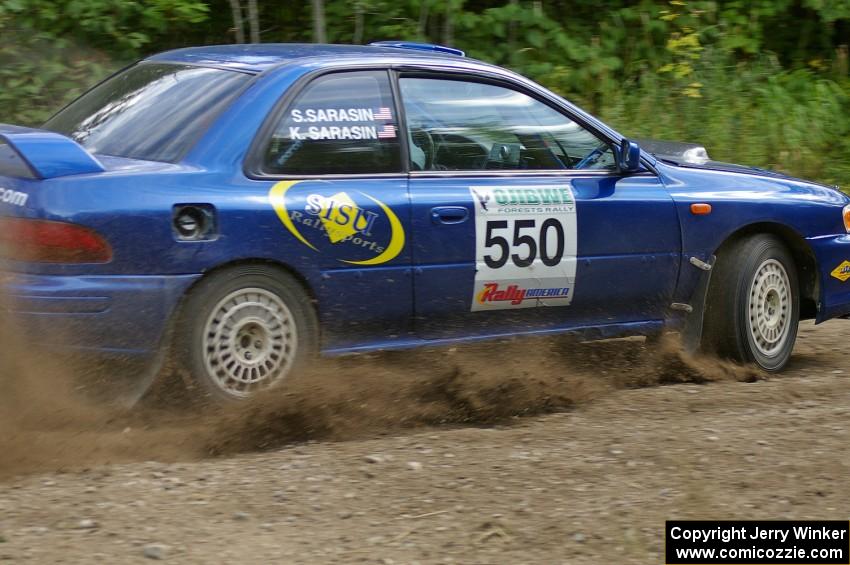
(253, 21)
(51, 51)
(239, 21)
(238, 27)
(320, 34)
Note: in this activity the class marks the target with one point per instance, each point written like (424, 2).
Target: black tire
(753, 304)
(273, 332)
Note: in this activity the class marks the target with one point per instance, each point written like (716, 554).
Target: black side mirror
(628, 159)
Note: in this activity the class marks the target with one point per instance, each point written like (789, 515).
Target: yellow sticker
(334, 212)
(842, 271)
(350, 228)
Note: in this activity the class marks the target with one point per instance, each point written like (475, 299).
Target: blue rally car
(238, 209)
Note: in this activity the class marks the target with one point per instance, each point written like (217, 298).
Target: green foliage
(763, 82)
(121, 26)
(684, 45)
(51, 51)
(755, 114)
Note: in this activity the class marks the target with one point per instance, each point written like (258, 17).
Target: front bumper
(830, 252)
(113, 315)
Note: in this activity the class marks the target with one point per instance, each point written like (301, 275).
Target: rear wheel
(244, 330)
(753, 305)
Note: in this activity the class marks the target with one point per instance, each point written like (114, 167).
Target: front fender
(803, 214)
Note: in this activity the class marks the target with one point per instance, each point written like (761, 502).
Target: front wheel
(753, 305)
(244, 330)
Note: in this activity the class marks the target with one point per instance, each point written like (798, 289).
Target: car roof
(260, 57)
(256, 58)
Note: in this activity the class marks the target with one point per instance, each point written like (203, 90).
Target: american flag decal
(383, 114)
(388, 131)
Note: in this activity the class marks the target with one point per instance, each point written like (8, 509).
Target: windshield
(151, 111)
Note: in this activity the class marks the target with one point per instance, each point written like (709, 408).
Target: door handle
(449, 214)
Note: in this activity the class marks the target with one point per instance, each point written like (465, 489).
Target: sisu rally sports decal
(525, 246)
(353, 227)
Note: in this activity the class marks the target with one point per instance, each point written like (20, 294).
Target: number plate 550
(526, 242)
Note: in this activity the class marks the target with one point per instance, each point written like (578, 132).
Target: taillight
(44, 241)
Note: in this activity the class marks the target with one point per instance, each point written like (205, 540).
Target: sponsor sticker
(354, 227)
(13, 197)
(313, 115)
(525, 246)
(842, 271)
(516, 294)
(341, 123)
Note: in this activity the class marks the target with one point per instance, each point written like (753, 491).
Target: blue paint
(47, 154)
(635, 232)
(420, 47)
(627, 231)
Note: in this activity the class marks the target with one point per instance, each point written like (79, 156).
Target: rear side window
(456, 125)
(152, 111)
(342, 123)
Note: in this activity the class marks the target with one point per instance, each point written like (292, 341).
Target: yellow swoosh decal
(277, 198)
(396, 238)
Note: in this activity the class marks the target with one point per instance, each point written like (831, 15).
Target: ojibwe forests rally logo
(351, 226)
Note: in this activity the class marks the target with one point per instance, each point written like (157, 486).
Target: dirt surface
(470, 455)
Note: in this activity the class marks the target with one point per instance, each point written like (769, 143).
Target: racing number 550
(526, 241)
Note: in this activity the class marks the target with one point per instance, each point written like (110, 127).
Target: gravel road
(582, 466)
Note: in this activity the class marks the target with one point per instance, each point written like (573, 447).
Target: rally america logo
(516, 294)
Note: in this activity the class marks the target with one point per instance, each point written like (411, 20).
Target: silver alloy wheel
(249, 342)
(769, 307)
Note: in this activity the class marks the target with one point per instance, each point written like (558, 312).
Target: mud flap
(692, 330)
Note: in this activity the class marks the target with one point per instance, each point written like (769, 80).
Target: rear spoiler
(41, 154)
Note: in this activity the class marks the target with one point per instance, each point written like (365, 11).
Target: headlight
(846, 214)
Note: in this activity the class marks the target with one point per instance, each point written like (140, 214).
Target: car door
(520, 219)
(331, 168)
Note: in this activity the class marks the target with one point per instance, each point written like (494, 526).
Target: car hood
(677, 151)
(695, 156)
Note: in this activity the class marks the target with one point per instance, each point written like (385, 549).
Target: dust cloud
(49, 423)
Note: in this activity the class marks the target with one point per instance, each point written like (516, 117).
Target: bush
(763, 83)
(52, 51)
(756, 114)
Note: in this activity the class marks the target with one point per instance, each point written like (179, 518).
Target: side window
(341, 123)
(471, 126)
